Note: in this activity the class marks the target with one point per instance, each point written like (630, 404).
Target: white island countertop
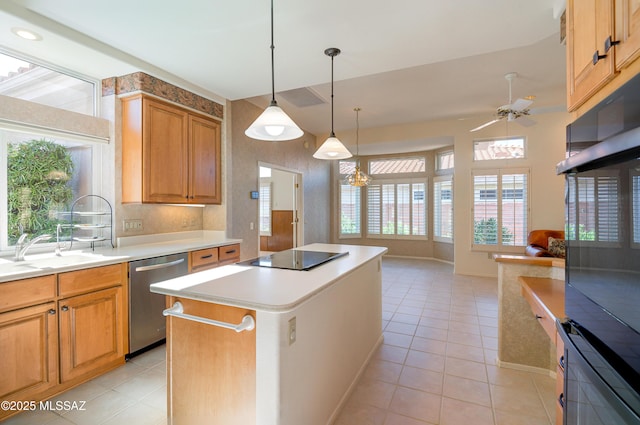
(263, 288)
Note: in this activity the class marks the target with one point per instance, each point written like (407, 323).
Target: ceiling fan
(513, 111)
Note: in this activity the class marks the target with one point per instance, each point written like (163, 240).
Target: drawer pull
(233, 251)
(52, 311)
(203, 257)
(64, 308)
(538, 316)
(561, 362)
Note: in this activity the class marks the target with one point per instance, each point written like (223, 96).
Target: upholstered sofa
(538, 243)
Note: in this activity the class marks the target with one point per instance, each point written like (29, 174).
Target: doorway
(280, 208)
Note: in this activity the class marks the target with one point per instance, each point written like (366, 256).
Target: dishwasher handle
(159, 266)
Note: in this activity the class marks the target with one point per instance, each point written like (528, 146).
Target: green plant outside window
(38, 172)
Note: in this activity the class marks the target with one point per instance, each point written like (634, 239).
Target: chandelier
(358, 178)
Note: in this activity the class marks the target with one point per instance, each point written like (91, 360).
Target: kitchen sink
(45, 262)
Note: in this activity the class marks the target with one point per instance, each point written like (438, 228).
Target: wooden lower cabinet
(209, 258)
(211, 371)
(90, 332)
(61, 330)
(28, 352)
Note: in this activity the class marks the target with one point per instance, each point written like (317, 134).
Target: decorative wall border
(139, 81)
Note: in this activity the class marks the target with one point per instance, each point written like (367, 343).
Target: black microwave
(602, 274)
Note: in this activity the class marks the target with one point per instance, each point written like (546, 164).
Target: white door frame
(298, 202)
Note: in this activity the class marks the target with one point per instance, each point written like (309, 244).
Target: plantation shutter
(485, 209)
(514, 209)
(418, 209)
(349, 210)
(374, 206)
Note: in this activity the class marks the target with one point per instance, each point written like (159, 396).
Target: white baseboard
(525, 368)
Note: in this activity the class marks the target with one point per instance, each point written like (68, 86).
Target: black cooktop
(294, 259)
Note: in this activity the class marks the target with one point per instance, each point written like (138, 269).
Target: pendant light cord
(357, 130)
(332, 133)
(273, 82)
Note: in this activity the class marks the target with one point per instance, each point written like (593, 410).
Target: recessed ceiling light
(26, 34)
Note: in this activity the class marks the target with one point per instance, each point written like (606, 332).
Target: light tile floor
(436, 365)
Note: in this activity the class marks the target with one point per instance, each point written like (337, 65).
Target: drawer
(204, 258)
(229, 254)
(27, 292)
(88, 280)
(544, 317)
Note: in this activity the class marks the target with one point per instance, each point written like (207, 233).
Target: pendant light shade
(332, 148)
(273, 124)
(358, 178)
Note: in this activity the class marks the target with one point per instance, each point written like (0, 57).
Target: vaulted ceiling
(402, 62)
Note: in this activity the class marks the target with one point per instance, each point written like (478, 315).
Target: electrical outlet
(292, 330)
(134, 225)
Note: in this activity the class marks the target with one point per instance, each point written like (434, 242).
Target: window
(397, 209)
(41, 177)
(597, 213)
(397, 165)
(443, 209)
(500, 208)
(350, 210)
(510, 148)
(350, 202)
(265, 207)
(28, 81)
(444, 160)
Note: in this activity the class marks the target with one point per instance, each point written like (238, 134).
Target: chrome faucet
(21, 247)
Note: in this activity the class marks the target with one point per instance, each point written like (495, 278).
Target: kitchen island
(314, 333)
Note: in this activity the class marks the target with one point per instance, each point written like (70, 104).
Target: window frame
(98, 152)
(499, 139)
(499, 173)
(96, 83)
(395, 182)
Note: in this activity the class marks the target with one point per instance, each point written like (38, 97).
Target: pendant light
(358, 178)
(273, 124)
(332, 148)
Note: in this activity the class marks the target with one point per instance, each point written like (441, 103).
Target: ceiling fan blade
(521, 104)
(525, 121)
(487, 124)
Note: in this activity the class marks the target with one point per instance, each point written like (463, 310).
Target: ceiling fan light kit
(273, 124)
(514, 111)
(332, 148)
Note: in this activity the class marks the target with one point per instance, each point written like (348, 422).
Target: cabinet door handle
(52, 311)
(538, 316)
(597, 56)
(561, 399)
(206, 256)
(64, 308)
(561, 362)
(609, 43)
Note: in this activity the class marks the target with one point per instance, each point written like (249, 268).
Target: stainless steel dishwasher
(147, 326)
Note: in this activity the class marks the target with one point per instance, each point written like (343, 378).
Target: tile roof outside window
(397, 166)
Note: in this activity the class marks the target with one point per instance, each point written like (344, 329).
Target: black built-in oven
(602, 294)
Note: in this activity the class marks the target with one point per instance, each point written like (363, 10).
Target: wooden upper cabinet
(204, 161)
(589, 67)
(169, 154)
(627, 31)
